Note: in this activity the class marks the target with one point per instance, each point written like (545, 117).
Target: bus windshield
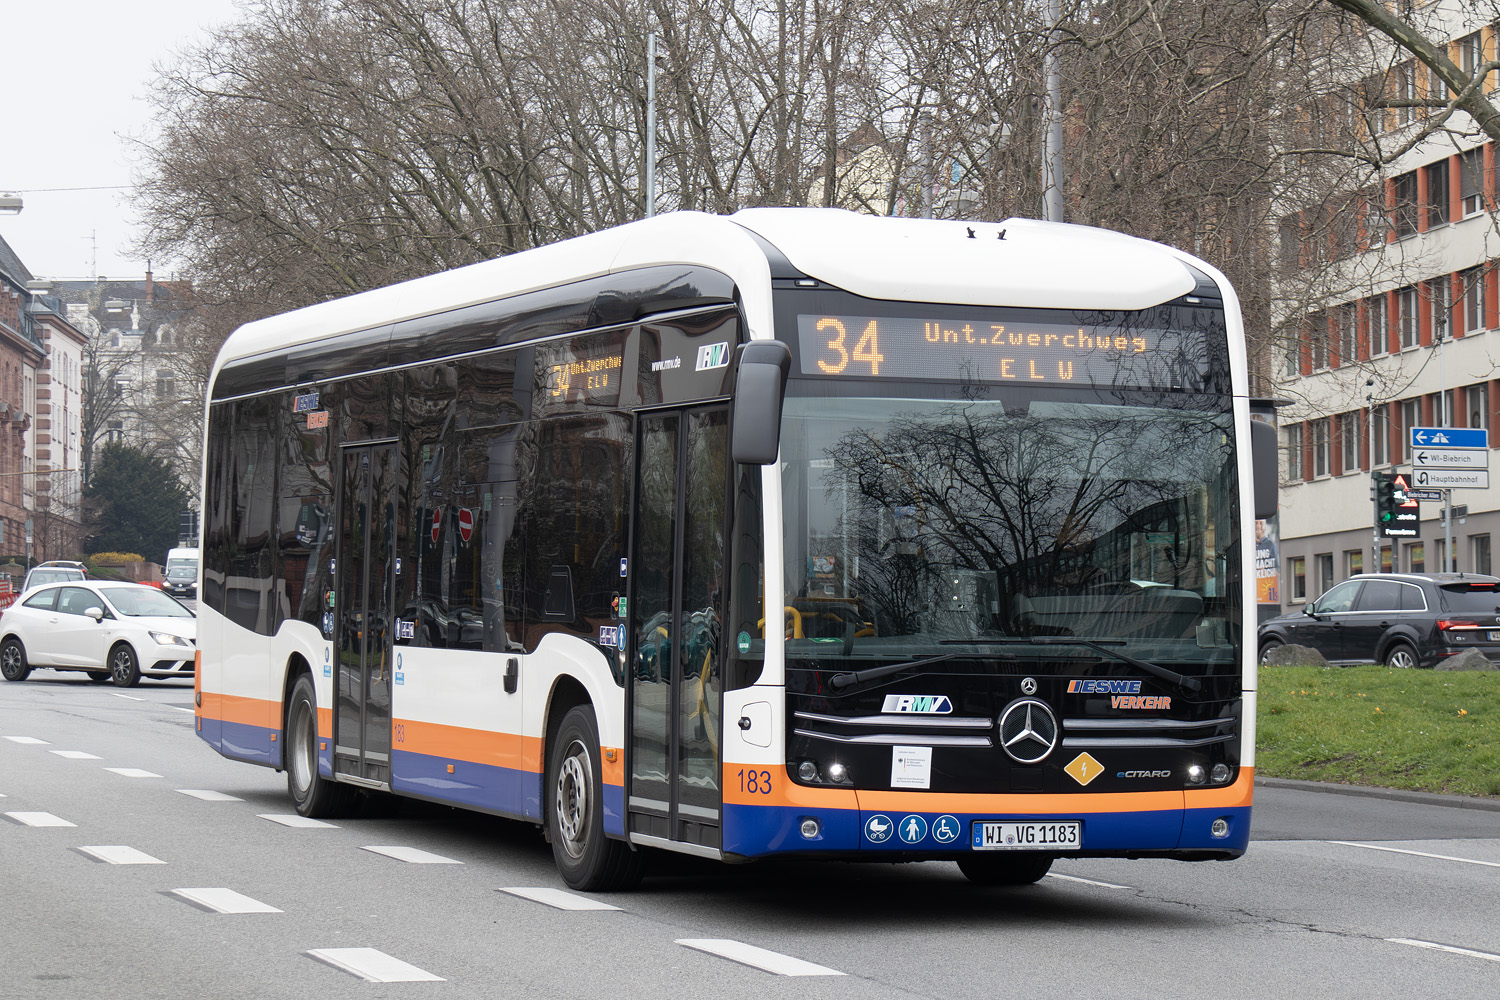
(920, 526)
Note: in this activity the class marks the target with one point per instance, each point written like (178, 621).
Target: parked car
(55, 571)
(114, 631)
(1399, 619)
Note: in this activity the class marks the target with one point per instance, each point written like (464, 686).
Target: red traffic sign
(465, 523)
(437, 523)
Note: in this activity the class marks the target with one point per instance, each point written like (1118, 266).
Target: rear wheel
(586, 858)
(1001, 868)
(13, 665)
(1266, 648)
(312, 794)
(1402, 656)
(124, 668)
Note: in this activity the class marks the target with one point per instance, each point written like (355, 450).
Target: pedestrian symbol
(913, 829)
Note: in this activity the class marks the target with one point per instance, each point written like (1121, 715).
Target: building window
(1471, 181)
(1477, 404)
(165, 384)
(1377, 324)
(114, 431)
(1292, 360)
(1407, 318)
(1294, 470)
(1320, 447)
(1290, 231)
(1411, 416)
(1441, 300)
(1406, 205)
(1346, 317)
(1446, 401)
(1298, 569)
(1416, 558)
(1377, 222)
(1317, 340)
(1470, 53)
(1354, 562)
(1472, 289)
(1406, 90)
(1325, 571)
(1437, 193)
(1380, 436)
(1349, 440)
(1479, 550)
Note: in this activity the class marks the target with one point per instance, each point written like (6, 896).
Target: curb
(1396, 795)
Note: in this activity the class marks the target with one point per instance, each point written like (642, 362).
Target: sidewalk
(1394, 794)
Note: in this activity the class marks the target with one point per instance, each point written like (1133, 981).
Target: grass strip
(1420, 730)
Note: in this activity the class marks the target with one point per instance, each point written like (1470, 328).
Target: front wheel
(586, 858)
(312, 794)
(1001, 868)
(99, 676)
(13, 665)
(1402, 656)
(1267, 647)
(124, 668)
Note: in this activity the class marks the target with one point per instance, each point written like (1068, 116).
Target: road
(1339, 896)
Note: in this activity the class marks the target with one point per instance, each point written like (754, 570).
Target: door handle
(512, 674)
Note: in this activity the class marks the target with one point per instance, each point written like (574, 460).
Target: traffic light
(1385, 498)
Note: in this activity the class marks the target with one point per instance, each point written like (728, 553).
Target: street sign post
(1449, 437)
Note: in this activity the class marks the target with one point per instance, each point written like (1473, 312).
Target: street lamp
(10, 204)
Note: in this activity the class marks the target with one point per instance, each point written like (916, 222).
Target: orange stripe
(475, 746)
(740, 779)
(612, 771)
(325, 723)
(1230, 796)
(245, 711)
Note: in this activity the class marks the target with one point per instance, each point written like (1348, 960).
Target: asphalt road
(1341, 895)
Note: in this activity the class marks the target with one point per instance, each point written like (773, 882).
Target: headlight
(166, 639)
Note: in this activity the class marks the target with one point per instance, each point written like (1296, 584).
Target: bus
(789, 533)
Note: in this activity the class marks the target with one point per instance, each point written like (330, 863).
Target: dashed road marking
(129, 696)
(208, 795)
(119, 855)
(133, 772)
(223, 901)
(1086, 881)
(1450, 949)
(412, 855)
(293, 820)
(758, 958)
(558, 899)
(28, 740)
(76, 754)
(38, 819)
(179, 708)
(1418, 854)
(373, 965)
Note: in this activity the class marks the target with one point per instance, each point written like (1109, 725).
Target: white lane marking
(133, 772)
(412, 855)
(119, 855)
(28, 739)
(1450, 949)
(130, 696)
(208, 795)
(76, 754)
(557, 898)
(293, 820)
(179, 708)
(1419, 854)
(758, 958)
(1086, 881)
(38, 819)
(224, 901)
(373, 965)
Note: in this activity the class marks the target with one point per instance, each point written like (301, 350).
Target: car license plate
(1061, 835)
(1494, 636)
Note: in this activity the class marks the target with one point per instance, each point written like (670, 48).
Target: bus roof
(1019, 262)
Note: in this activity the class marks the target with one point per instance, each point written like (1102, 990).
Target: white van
(182, 573)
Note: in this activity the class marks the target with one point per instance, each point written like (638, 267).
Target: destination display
(978, 349)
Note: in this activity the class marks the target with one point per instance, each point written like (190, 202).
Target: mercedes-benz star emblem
(1028, 730)
(1028, 686)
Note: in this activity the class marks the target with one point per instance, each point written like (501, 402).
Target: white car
(115, 631)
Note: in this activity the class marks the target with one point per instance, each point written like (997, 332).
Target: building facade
(21, 356)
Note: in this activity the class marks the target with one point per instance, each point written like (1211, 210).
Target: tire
(1402, 656)
(13, 665)
(124, 668)
(1004, 868)
(99, 676)
(312, 794)
(1266, 647)
(586, 858)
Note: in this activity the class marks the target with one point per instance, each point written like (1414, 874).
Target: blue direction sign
(1449, 437)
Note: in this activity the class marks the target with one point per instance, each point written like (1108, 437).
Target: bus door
(677, 581)
(365, 569)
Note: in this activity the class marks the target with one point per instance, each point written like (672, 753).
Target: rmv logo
(920, 704)
(712, 356)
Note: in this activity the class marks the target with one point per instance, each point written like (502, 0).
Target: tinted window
(76, 600)
(1380, 595)
(1471, 600)
(1340, 598)
(45, 601)
(1412, 598)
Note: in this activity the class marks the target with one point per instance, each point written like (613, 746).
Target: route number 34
(866, 348)
(755, 782)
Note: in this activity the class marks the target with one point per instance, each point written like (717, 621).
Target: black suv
(1399, 619)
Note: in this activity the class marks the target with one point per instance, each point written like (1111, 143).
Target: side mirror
(95, 613)
(1263, 468)
(760, 380)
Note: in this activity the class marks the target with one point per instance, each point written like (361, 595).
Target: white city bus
(789, 533)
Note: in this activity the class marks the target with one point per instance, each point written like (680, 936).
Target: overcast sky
(73, 78)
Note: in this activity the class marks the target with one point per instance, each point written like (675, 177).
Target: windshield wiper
(1100, 645)
(839, 683)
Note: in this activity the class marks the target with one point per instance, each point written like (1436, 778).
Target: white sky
(74, 76)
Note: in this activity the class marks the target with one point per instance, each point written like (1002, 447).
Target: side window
(1412, 598)
(1380, 595)
(76, 600)
(1340, 598)
(45, 601)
